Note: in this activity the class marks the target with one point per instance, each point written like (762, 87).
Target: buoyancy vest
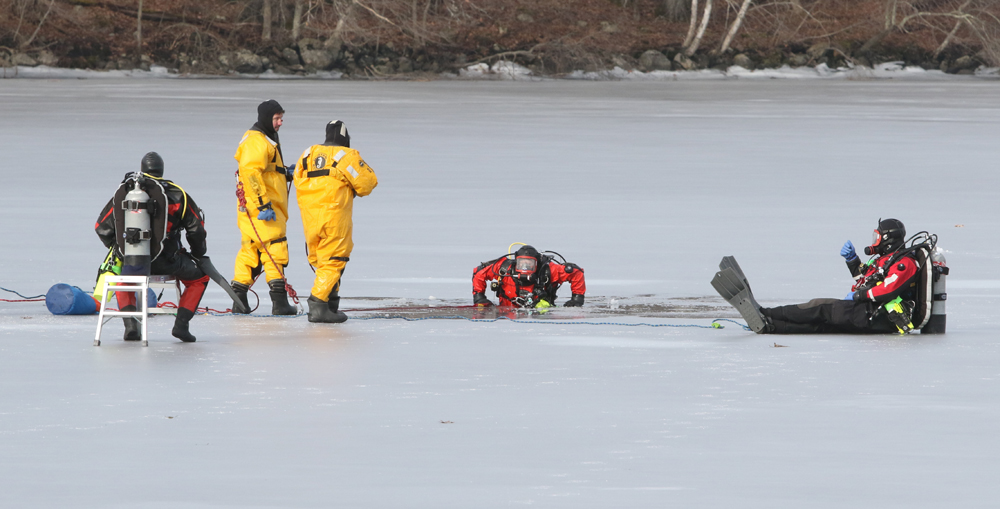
(342, 163)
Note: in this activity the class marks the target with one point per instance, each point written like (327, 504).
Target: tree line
(560, 32)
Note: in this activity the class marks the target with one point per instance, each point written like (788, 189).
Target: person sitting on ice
(880, 301)
(182, 214)
(527, 279)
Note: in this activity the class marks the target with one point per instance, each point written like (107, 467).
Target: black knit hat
(336, 134)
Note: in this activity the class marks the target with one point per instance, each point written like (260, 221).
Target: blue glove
(848, 251)
(267, 214)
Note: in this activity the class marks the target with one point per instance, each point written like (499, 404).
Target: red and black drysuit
(877, 282)
(511, 293)
(182, 215)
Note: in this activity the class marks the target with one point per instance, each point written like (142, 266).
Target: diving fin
(730, 262)
(736, 291)
(205, 264)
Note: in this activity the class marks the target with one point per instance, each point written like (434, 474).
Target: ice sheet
(644, 184)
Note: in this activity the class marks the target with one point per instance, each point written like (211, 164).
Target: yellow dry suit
(327, 179)
(262, 175)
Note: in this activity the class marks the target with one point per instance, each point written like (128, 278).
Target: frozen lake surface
(644, 184)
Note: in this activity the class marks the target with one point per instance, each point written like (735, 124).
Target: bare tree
(701, 30)
(914, 11)
(947, 39)
(693, 25)
(266, 13)
(675, 10)
(735, 26)
(297, 20)
(985, 28)
(138, 32)
(27, 43)
(345, 15)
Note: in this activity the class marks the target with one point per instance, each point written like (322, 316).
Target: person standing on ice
(262, 210)
(327, 179)
(527, 279)
(881, 300)
(182, 214)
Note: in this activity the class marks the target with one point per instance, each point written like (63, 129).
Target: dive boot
(279, 298)
(241, 306)
(133, 332)
(320, 312)
(181, 331)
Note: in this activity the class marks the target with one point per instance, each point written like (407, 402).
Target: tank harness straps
(505, 267)
(135, 205)
(341, 258)
(164, 181)
(317, 173)
(544, 272)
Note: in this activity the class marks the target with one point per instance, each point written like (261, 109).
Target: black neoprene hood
(265, 117)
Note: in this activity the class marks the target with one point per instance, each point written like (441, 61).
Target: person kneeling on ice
(327, 179)
(181, 214)
(527, 279)
(880, 301)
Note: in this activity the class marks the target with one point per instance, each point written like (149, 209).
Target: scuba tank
(938, 319)
(136, 259)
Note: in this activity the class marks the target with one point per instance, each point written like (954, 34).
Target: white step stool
(165, 283)
(139, 285)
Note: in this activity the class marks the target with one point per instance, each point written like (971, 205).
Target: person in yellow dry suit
(327, 179)
(263, 209)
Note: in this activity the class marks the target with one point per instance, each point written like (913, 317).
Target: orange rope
(242, 198)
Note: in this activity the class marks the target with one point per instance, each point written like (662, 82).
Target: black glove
(861, 295)
(480, 300)
(574, 302)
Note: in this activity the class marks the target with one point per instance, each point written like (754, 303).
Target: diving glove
(848, 251)
(266, 213)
